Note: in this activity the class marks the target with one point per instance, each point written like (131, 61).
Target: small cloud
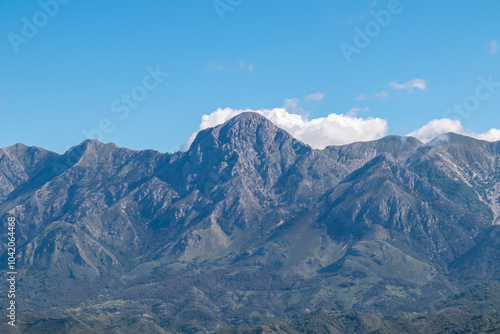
(492, 135)
(381, 95)
(440, 126)
(292, 106)
(215, 66)
(291, 103)
(316, 96)
(410, 85)
(362, 97)
(494, 48)
(354, 111)
(435, 128)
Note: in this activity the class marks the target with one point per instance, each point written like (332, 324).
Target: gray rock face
(249, 221)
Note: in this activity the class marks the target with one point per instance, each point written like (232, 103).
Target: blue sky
(66, 77)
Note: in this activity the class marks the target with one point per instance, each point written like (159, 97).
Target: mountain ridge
(250, 222)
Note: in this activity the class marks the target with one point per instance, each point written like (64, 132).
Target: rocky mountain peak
(244, 133)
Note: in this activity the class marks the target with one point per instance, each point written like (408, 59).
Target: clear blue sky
(66, 77)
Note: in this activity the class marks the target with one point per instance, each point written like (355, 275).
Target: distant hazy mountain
(251, 228)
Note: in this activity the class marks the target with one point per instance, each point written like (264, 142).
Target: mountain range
(251, 230)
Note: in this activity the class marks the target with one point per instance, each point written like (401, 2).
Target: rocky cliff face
(250, 222)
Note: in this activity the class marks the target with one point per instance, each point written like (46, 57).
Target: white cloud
(215, 66)
(381, 95)
(335, 129)
(316, 96)
(436, 127)
(494, 48)
(410, 85)
(291, 103)
(292, 106)
(354, 111)
(492, 135)
(338, 129)
(439, 126)
(362, 97)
